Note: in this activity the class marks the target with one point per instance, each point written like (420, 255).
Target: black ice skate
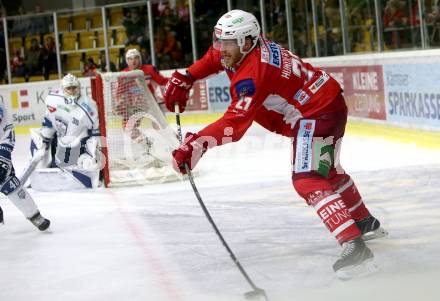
(1, 216)
(40, 222)
(356, 260)
(370, 228)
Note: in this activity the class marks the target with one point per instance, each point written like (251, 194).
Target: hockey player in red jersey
(152, 76)
(127, 104)
(275, 88)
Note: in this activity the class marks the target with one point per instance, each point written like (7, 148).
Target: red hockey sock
(330, 207)
(344, 185)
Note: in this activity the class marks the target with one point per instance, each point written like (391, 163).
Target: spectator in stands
(394, 20)
(33, 59)
(168, 19)
(17, 64)
(49, 57)
(434, 16)
(90, 68)
(134, 25)
(172, 49)
(279, 31)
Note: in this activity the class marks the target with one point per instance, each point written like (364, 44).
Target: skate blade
(364, 269)
(378, 233)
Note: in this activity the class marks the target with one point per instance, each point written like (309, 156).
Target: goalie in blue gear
(69, 139)
(10, 185)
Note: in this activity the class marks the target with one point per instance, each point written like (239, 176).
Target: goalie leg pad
(63, 179)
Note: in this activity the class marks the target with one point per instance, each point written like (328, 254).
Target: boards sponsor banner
(363, 89)
(198, 100)
(412, 94)
(25, 102)
(218, 92)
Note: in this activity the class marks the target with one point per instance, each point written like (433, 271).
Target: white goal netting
(138, 138)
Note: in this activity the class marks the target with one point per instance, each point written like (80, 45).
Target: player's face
(230, 52)
(71, 91)
(133, 62)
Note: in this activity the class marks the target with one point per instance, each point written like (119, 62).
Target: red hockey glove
(177, 90)
(190, 152)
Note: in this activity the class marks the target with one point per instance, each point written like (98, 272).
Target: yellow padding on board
(422, 138)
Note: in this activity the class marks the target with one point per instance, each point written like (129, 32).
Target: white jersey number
(244, 103)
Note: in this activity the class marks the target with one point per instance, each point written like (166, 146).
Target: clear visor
(223, 44)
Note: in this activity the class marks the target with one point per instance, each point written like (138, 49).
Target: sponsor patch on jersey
(265, 56)
(301, 96)
(275, 54)
(304, 141)
(318, 83)
(62, 107)
(245, 87)
(75, 121)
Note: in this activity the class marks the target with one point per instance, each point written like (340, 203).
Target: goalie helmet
(132, 53)
(237, 24)
(71, 88)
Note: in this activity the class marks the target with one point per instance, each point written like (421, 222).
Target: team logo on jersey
(51, 109)
(265, 56)
(301, 96)
(245, 87)
(275, 55)
(319, 82)
(303, 159)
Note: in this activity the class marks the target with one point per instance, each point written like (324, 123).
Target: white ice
(154, 243)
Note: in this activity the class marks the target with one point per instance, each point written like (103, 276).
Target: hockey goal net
(137, 138)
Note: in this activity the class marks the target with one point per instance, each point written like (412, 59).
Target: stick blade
(257, 293)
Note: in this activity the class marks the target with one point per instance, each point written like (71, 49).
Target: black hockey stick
(256, 292)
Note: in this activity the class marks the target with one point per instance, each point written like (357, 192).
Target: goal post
(138, 140)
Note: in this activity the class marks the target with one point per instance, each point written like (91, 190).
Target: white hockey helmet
(237, 24)
(71, 88)
(132, 53)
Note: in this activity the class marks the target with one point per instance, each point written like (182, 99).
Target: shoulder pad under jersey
(89, 106)
(54, 98)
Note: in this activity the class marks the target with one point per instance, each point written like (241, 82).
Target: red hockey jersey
(271, 86)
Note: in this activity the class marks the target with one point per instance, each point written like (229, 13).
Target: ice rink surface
(154, 243)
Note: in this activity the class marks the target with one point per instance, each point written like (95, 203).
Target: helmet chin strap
(244, 53)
